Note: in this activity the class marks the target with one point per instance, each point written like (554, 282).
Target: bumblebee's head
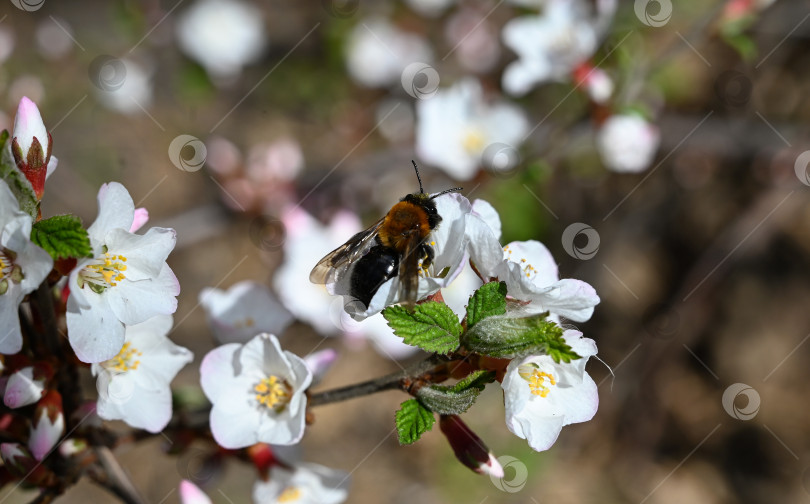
(426, 203)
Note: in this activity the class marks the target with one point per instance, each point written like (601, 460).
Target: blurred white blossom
(132, 94)
(473, 38)
(54, 38)
(430, 8)
(303, 483)
(455, 127)
(6, 43)
(627, 143)
(223, 36)
(378, 52)
(246, 309)
(551, 45)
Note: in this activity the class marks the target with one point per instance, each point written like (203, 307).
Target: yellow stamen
(273, 393)
(125, 360)
(473, 142)
(289, 494)
(105, 271)
(539, 381)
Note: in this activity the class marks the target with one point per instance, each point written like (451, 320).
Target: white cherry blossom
(542, 396)
(127, 281)
(257, 390)
(134, 386)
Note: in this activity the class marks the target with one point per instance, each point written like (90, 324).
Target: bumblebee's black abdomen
(372, 270)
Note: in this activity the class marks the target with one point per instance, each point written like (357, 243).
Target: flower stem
(398, 380)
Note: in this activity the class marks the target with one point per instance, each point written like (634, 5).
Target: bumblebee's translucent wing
(409, 273)
(337, 261)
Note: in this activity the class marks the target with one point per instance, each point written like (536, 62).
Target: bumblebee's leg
(427, 255)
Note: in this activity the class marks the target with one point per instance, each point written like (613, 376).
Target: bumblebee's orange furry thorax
(402, 222)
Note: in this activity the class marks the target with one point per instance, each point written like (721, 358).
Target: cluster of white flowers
(119, 304)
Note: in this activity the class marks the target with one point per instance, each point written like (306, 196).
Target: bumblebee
(394, 245)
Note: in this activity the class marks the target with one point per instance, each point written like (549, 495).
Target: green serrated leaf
(509, 337)
(455, 399)
(488, 300)
(62, 236)
(431, 326)
(413, 420)
(477, 379)
(446, 401)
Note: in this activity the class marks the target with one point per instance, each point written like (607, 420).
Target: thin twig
(387, 382)
(114, 478)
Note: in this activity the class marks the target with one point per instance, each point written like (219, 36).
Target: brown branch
(400, 380)
(113, 477)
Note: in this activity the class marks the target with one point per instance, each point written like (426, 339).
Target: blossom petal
(145, 254)
(217, 371)
(115, 210)
(135, 302)
(232, 425)
(95, 333)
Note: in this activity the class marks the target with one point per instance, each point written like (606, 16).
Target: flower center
(105, 271)
(126, 360)
(540, 382)
(273, 393)
(527, 268)
(9, 272)
(473, 141)
(248, 322)
(289, 494)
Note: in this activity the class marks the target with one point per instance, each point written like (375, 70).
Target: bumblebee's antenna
(421, 191)
(455, 189)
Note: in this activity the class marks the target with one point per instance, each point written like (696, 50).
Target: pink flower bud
(320, 363)
(191, 494)
(31, 145)
(24, 387)
(470, 450)
(48, 425)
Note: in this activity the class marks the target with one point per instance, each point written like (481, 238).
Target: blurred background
(658, 149)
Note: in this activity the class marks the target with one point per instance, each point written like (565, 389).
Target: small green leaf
(431, 326)
(413, 420)
(487, 301)
(458, 398)
(62, 236)
(445, 401)
(509, 337)
(477, 379)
